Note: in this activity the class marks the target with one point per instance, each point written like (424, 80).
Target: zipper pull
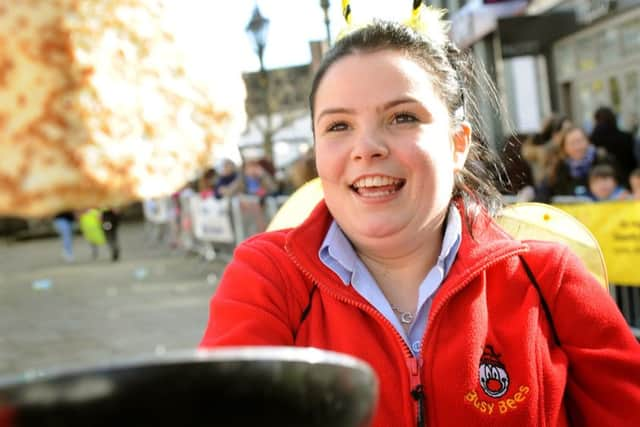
(417, 393)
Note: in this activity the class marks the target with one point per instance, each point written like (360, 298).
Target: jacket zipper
(417, 391)
(413, 364)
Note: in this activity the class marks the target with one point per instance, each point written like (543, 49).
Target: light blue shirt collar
(337, 253)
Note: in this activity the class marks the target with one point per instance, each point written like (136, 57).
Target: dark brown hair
(456, 78)
(603, 171)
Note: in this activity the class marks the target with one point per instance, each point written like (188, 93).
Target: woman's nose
(369, 145)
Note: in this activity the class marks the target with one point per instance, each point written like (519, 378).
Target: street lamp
(257, 29)
(324, 4)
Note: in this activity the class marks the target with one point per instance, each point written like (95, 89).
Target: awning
(476, 19)
(529, 35)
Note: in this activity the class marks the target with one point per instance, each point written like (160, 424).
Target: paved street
(58, 315)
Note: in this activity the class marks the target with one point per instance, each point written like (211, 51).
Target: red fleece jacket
(488, 357)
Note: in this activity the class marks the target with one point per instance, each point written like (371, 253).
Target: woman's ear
(461, 145)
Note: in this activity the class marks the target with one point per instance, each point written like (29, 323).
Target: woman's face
(576, 144)
(385, 150)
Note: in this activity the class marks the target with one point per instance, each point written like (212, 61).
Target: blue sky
(293, 23)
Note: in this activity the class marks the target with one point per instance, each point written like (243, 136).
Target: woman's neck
(400, 269)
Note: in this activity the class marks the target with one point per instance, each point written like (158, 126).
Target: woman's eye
(337, 127)
(400, 118)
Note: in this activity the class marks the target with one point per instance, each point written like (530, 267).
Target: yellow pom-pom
(427, 20)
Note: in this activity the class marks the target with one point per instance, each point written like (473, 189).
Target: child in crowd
(63, 223)
(91, 227)
(603, 184)
(207, 182)
(257, 179)
(228, 183)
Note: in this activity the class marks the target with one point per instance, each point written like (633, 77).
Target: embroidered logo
(494, 378)
(495, 382)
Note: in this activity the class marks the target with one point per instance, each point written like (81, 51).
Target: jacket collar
(488, 244)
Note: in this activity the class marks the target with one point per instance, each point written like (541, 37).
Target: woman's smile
(377, 186)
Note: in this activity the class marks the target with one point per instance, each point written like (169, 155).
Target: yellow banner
(616, 227)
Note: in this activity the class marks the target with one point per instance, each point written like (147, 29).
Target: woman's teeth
(377, 186)
(375, 181)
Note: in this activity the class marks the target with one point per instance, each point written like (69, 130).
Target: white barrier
(197, 223)
(248, 215)
(273, 204)
(183, 224)
(157, 210)
(211, 220)
(157, 213)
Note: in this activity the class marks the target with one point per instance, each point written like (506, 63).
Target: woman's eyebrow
(335, 111)
(385, 106)
(406, 100)
(395, 102)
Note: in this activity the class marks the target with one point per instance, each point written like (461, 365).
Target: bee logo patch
(494, 379)
(494, 382)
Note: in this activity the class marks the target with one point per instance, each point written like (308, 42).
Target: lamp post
(324, 4)
(257, 29)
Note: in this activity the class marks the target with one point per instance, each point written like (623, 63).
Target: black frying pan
(243, 386)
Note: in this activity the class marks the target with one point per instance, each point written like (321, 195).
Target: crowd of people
(563, 160)
(256, 176)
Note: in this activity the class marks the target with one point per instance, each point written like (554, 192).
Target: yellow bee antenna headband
(426, 20)
(346, 11)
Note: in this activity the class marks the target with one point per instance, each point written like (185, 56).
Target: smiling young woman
(385, 156)
(402, 265)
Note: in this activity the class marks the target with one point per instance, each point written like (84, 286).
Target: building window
(631, 37)
(610, 46)
(565, 61)
(587, 53)
(592, 94)
(614, 91)
(631, 101)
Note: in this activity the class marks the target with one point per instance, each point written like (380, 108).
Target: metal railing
(213, 227)
(207, 225)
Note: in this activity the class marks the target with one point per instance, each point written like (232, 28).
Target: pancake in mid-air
(99, 107)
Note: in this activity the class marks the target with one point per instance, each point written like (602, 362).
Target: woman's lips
(371, 190)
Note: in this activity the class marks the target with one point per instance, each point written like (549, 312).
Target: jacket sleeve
(251, 305)
(603, 384)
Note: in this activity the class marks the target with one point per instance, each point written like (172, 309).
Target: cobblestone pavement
(57, 315)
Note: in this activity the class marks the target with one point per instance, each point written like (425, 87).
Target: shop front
(600, 66)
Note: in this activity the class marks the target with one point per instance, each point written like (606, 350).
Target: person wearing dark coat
(110, 222)
(618, 143)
